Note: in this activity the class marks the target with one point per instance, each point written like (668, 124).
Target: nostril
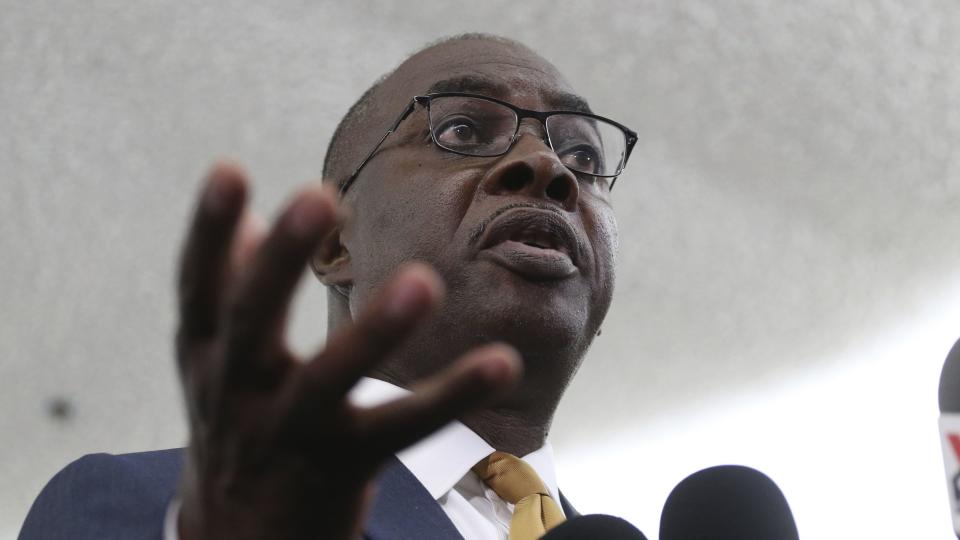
(558, 189)
(516, 179)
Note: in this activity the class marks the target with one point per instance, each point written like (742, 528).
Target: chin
(535, 316)
(487, 302)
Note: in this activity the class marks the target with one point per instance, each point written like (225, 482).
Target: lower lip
(531, 261)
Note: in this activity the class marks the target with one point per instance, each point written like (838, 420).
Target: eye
(581, 158)
(456, 131)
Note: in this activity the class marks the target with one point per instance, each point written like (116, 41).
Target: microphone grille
(727, 502)
(949, 394)
(594, 526)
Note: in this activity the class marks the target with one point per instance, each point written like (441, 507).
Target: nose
(531, 168)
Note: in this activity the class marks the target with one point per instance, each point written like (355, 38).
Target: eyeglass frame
(630, 136)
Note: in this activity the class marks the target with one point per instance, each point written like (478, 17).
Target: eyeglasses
(481, 126)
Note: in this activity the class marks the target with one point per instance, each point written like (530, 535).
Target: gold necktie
(534, 512)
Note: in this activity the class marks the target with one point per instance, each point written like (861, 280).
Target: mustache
(478, 230)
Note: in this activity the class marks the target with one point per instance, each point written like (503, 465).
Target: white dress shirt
(442, 463)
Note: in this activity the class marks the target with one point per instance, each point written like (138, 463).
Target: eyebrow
(473, 84)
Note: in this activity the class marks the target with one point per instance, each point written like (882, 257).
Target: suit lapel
(404, 510)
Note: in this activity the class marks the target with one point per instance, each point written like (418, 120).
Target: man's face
(525, 246)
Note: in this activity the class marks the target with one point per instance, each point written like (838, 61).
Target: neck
(507, 431)
(510, 426)
(520, 422)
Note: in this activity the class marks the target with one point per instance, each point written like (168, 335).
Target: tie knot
(510, 477)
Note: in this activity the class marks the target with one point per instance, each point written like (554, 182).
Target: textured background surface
(792, 203)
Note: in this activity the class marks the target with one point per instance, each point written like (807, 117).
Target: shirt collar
(440, 460)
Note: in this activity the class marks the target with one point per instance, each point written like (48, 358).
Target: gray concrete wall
(794, 193)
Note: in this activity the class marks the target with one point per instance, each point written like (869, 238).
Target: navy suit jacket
(125, 497)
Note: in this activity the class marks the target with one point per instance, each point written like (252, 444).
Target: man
(505, 207)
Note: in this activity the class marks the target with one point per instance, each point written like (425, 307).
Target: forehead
(483, 66)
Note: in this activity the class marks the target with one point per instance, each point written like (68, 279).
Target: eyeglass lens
(479, 127)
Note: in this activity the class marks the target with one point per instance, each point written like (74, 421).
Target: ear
(331, 262)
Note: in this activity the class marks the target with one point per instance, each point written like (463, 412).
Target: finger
(204, 259)
(478, 379)
(250, 233)
(412, 294)
(256, 315)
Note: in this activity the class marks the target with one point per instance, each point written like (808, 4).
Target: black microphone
(729, 502)
(949, 398)
(594, 527)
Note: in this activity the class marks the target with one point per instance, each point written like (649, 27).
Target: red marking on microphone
(955, 443)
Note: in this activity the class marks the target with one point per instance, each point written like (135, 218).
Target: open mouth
(533, 242)
(539, 239)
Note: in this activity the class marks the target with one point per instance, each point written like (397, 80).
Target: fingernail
(405, 301)
(307, 216)
(497, 370)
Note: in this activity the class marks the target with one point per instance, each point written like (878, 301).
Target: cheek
(606, 242)
(611, 232)
(413, 218)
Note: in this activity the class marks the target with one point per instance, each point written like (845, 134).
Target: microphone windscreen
(949, 394)
(592, 527)
(727, 502)
(949, 399)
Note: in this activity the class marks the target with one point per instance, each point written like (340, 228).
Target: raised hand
(276, 451)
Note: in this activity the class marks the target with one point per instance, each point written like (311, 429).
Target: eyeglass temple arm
(353, 176)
